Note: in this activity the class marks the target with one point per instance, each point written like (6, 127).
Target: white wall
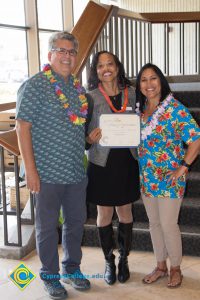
(160, 5)
(188, 54)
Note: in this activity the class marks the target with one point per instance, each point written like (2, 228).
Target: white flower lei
(147, 130)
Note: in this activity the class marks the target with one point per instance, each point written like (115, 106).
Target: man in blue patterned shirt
(50, 117)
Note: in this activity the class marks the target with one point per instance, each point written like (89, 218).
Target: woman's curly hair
(93, 79)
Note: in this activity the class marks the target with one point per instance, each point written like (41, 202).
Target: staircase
(189, 219)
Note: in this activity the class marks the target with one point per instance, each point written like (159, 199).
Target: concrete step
(193, 185)
(27, 231)
(28, 243)
(196, 165)
(195, 112)
(189, 213)
(188, 98)
(185, 86)
(141, 237)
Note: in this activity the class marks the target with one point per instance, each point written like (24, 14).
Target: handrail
(7, 106)
(8, 140)
(167, 17)
(88, 29)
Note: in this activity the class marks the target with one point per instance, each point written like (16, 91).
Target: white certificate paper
(120, 130)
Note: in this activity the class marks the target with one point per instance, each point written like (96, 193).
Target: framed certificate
(120, 130)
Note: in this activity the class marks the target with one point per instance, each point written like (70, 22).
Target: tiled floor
(92, 264)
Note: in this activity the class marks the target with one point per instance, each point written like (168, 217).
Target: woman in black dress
(113, 173)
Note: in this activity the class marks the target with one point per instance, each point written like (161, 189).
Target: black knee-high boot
(106, 237)
(124, 241)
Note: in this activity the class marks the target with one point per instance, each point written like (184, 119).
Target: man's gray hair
(64, 35)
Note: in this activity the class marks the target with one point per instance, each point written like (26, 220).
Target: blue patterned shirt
(58, 144)
(163, 151)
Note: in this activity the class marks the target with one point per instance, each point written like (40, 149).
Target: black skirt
(115, 184)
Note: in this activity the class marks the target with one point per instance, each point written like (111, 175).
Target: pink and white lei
(147, 130)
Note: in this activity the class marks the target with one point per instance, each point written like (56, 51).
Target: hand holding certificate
(120, 130)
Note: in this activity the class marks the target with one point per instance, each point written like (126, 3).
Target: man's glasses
(62, 51)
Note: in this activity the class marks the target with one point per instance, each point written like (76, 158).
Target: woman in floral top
(165, 125)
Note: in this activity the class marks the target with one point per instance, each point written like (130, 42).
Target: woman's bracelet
(183, 163)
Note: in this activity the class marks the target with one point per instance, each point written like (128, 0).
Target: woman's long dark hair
(93, 79)
(165, 88)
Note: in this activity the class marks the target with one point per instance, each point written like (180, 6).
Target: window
(43, 40)
(50, 14)
(50, 18)
(13, 61)
(79, 6)
(12, 12)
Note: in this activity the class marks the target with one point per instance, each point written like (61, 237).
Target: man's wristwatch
(183, 163)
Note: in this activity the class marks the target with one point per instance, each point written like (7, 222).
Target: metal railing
(5, 203)
(174, 47)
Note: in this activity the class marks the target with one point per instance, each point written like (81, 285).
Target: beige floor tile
(93, 264)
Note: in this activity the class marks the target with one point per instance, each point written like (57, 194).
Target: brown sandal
(173, 273)
(148, 278)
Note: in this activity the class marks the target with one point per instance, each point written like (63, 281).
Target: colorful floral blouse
(162, 150)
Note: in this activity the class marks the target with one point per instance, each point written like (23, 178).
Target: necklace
(110, 103)
(147, 130)
(75, 119)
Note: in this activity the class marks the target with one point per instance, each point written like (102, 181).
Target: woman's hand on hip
(175, 174)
